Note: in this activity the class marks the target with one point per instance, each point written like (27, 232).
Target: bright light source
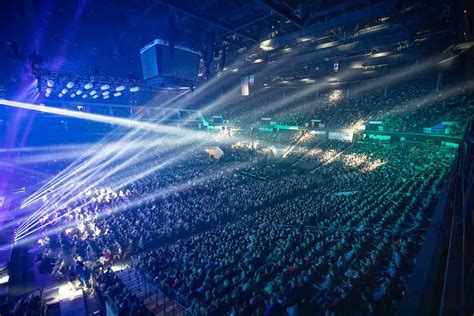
(95, 96)
(68, 292)
(304, 39)
(84, 96)
(308, 80)
(93, 92)
(60, 95)
(117, 94)
(335, 95)
(266, 45)
(4, 279)
(381, 54)
(50, 83)
(375, 28)
(47, 95)
(332, 79)
(48, 90)
(285, 81)
(73, 95)
(104, 87)
(258, 61)
(88, 86)
(235, 70)
(287, 50)
(105, 93)
(134, 89)
(79, 92)
(64, 91)
(70, 84)
(106, 97)
(120, 88)
(326, 45)
(357, 65)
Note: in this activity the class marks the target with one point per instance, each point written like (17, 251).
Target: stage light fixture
(117, 94)
(70, 84)
(105, 93)
(104, 87)
(73, 95)
(120, 88)
(106, 97)
(93, 92)
(79, 92)
(84, 96)
(64, 91)
(88, 86)
(50, 83)
(95, 96)
(60, 95)
(134, 89)
(48, 90)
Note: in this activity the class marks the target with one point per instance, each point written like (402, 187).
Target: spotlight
(120, 88)
(48, 90)
(60, 95)
(134, 89)
(95, 96)
(73, 95)
(88, 86)
(70, 84)
(105, 93)
(79, 92)
(104, 87)
(50, 83)
(106, 97)
(64, 91)
(84, 96)
(381, 54)
(93, 92)
(117, 94)
(47, 95)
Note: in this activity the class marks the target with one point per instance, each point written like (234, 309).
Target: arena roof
(74, 35)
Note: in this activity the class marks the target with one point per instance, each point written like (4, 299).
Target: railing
(151, 289)
(455, 283)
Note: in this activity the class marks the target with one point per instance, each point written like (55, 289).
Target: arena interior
(237, 157)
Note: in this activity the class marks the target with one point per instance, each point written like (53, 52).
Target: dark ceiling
(71, 36)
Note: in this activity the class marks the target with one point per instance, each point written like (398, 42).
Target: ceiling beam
(243, 26)
(282, 11)
(209, 21)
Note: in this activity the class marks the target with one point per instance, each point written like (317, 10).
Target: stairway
(153, 298)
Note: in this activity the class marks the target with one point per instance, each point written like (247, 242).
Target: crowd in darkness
(317, 252)
(337, 239)
(408, 106)
(252, 233)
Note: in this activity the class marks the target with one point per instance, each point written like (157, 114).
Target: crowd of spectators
(318, 252)
(243, 235)
(408, 106)
(111, 288)
(253, 234)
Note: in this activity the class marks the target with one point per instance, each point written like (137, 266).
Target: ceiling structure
(106, 35)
